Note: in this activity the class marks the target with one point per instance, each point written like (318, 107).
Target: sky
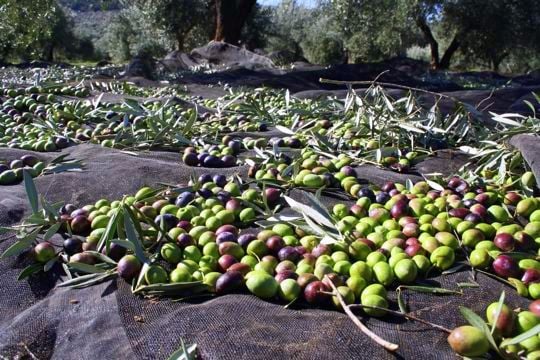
(276, 2)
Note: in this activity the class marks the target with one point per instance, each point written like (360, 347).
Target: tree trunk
(450, 51)
(433, 44)
(497, 60)
(231, 16)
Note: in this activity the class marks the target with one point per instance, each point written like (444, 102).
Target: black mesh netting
(40, 321)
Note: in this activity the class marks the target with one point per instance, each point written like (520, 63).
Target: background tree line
(465, 34)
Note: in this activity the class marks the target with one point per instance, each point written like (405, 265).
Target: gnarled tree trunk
(231, 16)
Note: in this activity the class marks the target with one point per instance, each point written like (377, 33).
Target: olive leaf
(430, 290)
(31, 191)
(498, 312)
(85, 268)
(131, 235)
(21, 245)
(184, 353)
(87, 280)
(30, 270)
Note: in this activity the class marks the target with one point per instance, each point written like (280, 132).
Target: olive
(262, 285)
(80, 225)
(505, 266)
(534, 307)
(44, 252)
(468, 341)
(84, 257)
(156, 274)
(505, 321)
(29, 160)
(73, 246)
(289, 290)
(531, 276)
(374, 300)
(229, 282)
(226, 261)
(313, 294)
(504, 241)
(442, 257)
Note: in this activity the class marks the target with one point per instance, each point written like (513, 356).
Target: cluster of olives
(216, 203)
(214, 156)
(56, 90)
(400, 162)
(17, 130)
(470, 341)
(12, 173)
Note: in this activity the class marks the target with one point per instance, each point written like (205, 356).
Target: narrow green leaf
(31, 191)
(131, 235)
(51, 231)
(184, 353)
(430, 290)
(498, 312)
(30, 270)
(85, 268)
(401, 301)
(49, 264)
(21, 245)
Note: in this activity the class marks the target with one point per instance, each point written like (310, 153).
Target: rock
(227, 55)
(140, 66)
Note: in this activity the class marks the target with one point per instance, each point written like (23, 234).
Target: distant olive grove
(461, 34)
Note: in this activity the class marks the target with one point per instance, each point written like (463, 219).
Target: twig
(407, 316)
(387, 345)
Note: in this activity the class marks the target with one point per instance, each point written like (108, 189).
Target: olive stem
(407, 316)
(387, 345)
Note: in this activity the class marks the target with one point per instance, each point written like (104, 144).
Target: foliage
(34, 30)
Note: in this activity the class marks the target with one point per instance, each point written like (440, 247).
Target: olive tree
(33, 29)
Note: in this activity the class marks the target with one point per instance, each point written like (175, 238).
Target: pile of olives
(12, 173)
(214, 156)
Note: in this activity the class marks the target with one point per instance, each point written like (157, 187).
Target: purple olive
(226, 237)
(184, 224)
(169, 221)
(116, 252)
(389, 185)
(288, 253)
(320, 249)
(229, 282)
(233, 205)
(129, 267)
(399, 209)
(205, 178)
(184, 240)
(272, 196)
(73, 246)
(67, 209)
(227, 161)
(474, 218)
(29, 160)
(285, 274)
(505, 266)
(382, 197)
(275, 244)
(313, 295)
(84, 258)
(504, 241)
(245, 239)
(459, 212)
(80, 225)
(530, 276)
(225, 262)
(227, 228)
(240, 267)
(220, 180)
